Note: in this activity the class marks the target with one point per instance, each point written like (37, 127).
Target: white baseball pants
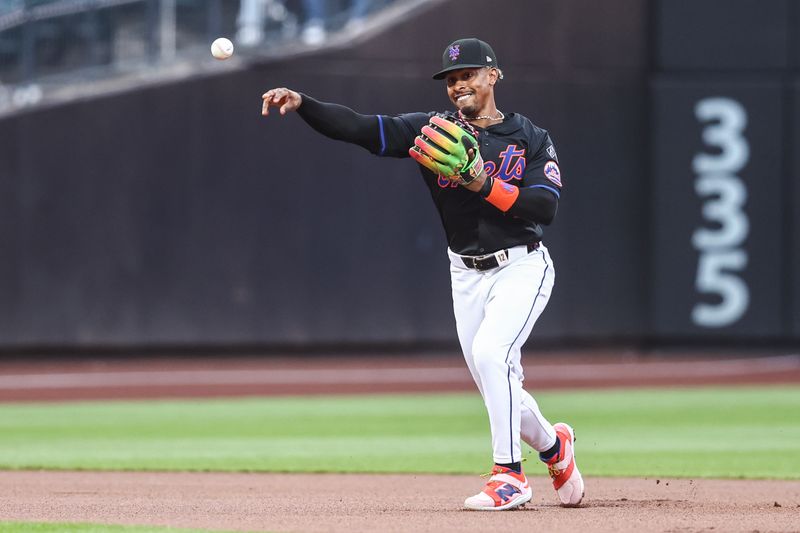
(495, 311)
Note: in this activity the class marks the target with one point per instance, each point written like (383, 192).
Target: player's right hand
(284, 99)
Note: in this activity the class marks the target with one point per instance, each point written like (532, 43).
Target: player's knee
(488, 357)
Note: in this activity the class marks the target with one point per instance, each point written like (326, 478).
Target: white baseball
(222, 48)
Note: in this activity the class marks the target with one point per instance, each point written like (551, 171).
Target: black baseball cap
(466, 53)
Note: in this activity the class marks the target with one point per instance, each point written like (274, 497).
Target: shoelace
(554, 472)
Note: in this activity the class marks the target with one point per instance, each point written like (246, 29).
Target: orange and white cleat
(564, 472)
(506, 489)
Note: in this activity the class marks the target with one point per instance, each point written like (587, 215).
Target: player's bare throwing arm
(495, 180)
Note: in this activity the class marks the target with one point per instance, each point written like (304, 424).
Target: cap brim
(442, 73)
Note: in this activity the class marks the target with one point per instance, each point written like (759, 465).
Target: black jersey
(515, 151)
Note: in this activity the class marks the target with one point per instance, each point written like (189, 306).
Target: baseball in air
(222, 48)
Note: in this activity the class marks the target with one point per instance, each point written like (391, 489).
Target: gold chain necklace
(481, 117)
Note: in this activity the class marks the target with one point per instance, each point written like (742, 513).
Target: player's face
(470, 89)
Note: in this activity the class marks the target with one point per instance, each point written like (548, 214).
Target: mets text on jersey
(511, 167)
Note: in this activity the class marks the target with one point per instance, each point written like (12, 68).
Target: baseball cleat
(563, 471)
(506, 489)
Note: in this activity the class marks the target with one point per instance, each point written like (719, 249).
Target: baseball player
(495, 179)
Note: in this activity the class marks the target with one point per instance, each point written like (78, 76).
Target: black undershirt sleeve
(341, 123)
(535, 204)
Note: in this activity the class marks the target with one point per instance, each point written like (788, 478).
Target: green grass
(41, 527)
(714, 432)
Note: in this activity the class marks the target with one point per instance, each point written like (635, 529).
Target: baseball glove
(449, 147)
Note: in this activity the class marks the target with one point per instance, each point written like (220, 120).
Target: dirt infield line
(356, 503)
(590, 372)
(181, 378)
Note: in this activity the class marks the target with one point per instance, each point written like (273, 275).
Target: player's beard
(468, 107)
(471, 107)
(469, 110)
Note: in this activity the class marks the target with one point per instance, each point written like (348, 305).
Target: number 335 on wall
(720, 244)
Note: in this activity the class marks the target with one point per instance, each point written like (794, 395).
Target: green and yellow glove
(449, 147)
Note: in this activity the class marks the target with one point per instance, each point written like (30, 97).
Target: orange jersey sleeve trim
(502, 195)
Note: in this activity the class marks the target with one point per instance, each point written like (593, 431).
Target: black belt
(488, 262)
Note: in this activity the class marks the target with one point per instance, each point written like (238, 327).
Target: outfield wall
(176, 216)
(724, 169)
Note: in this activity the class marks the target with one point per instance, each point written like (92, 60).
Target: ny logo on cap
(454, 51)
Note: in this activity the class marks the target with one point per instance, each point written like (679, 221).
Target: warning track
(204, 377)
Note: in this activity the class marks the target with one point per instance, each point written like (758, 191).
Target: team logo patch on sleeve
(552, 172)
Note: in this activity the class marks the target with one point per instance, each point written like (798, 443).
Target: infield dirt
(356, 503)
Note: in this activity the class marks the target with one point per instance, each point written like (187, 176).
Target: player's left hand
(477, 183)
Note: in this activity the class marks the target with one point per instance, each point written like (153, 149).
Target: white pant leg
(535, 429)
(469, 298)
(495, 313)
